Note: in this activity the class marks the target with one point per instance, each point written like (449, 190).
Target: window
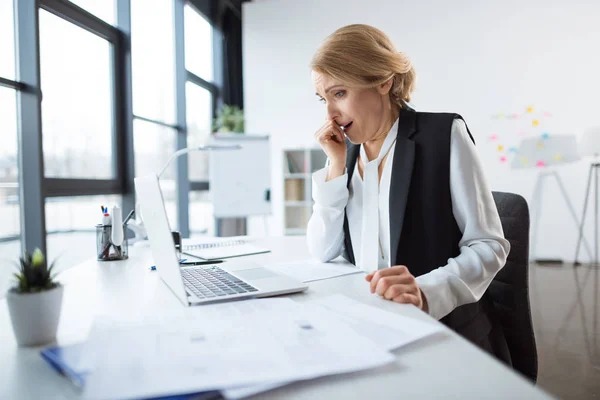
(9, 177)
(153, 60)
(199, 116)
(103, 9)
(154, 145)
(77, 104)
(199, 90)
(153, 68)
(201, 213)
(7, 40)
(198, 44)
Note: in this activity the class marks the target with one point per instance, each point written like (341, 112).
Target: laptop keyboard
(213, 282)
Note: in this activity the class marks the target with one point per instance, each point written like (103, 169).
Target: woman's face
(365, 113)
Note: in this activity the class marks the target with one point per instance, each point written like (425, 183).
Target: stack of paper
(225, 346)
(389, 331)
(241, 348)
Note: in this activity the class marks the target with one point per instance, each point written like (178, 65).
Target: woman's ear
(386, 86)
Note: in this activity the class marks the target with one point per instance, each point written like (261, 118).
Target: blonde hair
(363, 56)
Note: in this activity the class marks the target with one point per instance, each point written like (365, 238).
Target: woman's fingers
(397, 284)
(400, 272)
(408, 298)
(329, 131)
(396, 290)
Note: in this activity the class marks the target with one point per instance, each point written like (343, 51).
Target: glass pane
(153, 60)
(7, 40)
(153, 146)
(10, 245)
(198, 44)
(77, 117)
(201, 214)
(199, 117)
(70, 227)
(103, 9)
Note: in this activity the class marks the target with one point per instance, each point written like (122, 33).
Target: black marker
(185, 264)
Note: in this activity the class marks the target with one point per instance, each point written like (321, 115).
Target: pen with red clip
(106, 221)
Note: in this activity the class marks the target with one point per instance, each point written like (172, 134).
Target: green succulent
(34, 274)
(229, 119)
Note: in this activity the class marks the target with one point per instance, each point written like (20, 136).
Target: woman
(406, 199)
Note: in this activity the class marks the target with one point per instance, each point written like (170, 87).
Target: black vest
(423, 231)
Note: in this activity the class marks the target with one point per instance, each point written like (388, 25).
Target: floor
(566, 314)
(564, 301)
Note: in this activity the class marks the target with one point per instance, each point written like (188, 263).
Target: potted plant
(229, 119)
(34, 303)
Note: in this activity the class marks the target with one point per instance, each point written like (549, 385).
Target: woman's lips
(345, 127)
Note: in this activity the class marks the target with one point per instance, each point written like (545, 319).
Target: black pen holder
(105, 249)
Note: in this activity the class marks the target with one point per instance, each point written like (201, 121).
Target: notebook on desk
(69, 361)
(219, 249)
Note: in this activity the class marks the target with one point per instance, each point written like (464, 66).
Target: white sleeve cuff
(438, 292)
(333, 193)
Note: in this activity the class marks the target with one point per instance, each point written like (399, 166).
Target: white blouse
(483, 248)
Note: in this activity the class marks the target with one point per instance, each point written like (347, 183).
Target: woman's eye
(322, 100)
(339, 94)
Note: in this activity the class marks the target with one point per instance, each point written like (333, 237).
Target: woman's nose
(332, 112)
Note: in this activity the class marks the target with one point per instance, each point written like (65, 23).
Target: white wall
(476, 58)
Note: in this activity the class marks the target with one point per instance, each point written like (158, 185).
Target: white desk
(445, 366)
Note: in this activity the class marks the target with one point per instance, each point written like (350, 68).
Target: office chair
(509, 291)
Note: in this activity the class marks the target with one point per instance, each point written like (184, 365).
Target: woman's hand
(397, 284)
(333, 142)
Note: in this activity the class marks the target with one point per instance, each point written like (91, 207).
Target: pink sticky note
(540, 164)
(493, 137)
(547, 114)
(502, 159)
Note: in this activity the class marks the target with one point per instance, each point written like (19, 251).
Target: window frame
(213, 87)
(60, 187)
(34, 187)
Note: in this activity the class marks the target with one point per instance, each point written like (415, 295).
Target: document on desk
(209, 248)
(387, 329)
(311, 270)
(390, 331)
(222, 346)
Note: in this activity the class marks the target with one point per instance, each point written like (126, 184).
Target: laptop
(195, 285)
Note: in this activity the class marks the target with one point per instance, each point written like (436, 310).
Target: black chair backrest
(509, 291)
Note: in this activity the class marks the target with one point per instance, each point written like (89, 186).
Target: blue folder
(67, 361)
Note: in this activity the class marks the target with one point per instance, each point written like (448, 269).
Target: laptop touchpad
(255, 273)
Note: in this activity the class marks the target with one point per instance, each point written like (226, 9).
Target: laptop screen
(159, 234)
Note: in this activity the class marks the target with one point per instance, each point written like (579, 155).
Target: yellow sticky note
(558, 157)
(530, 109)
(540, 145)
(535, 122)
(524, 160)
(500, 148)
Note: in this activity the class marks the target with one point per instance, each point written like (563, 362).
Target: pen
(185, 264)
(202, 262)
(128, 217)
(152, 268)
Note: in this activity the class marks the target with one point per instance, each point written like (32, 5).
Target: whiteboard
(240, 180)
(546, 151)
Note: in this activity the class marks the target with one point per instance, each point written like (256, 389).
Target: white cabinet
(298, 166)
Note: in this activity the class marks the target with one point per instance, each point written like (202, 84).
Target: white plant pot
(35, 316)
